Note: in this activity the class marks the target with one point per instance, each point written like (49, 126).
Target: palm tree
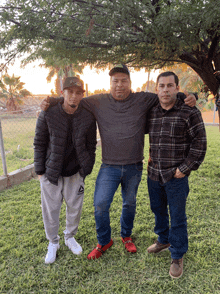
(62, 69)
(12, 92)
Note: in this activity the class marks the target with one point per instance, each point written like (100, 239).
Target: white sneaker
(73, 246)
(51, 253)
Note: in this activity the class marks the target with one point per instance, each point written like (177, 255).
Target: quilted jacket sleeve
(88, 159)
(91, 142)
(41, 141)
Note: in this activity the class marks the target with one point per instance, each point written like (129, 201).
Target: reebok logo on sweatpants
(81, 190)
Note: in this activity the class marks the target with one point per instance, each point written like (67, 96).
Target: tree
(140, 33)
(12, 92)
(98, 91)
(62, 69)
(190, 81)
(151, 86)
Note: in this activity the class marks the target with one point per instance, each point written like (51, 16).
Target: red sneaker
(129, 245)
(99, 250)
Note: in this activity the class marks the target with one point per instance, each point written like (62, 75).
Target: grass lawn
(23, 244)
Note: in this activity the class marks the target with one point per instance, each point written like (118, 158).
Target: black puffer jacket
(51, 137)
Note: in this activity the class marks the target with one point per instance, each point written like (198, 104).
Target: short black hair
(167, 74)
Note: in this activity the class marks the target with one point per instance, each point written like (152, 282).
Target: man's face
(72, 96)
(120, 86)
(167, 90)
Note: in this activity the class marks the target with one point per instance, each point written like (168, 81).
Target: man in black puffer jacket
(64, 154)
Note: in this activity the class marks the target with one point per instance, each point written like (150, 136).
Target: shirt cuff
(184, 169)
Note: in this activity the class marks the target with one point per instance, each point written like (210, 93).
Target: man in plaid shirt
(177, 146)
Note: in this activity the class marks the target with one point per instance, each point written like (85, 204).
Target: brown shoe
(158, 247)
(176, 268)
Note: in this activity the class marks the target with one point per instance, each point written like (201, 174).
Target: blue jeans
(108, 180)
(173, 193)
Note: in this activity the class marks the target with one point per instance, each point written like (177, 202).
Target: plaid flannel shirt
(177, 140)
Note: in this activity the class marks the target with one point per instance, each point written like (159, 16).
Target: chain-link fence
(18, 129)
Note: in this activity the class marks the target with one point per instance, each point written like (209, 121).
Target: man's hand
(190, 99)
(178, 174)
(44, 105)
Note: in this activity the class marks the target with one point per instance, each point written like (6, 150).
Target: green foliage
(139, 33)
(23, 244)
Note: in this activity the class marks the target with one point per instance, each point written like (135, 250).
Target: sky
(35, 76)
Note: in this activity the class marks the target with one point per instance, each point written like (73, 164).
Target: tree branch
(189, 59)
(156, 5)
(213, 47)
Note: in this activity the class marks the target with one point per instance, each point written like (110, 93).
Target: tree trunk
(58, 86)
(11, 105)
(205, 70)
(213, 84)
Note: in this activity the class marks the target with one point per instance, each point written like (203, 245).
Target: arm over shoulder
(92, 103)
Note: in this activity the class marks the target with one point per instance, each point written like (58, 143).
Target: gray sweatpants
(71, 189)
